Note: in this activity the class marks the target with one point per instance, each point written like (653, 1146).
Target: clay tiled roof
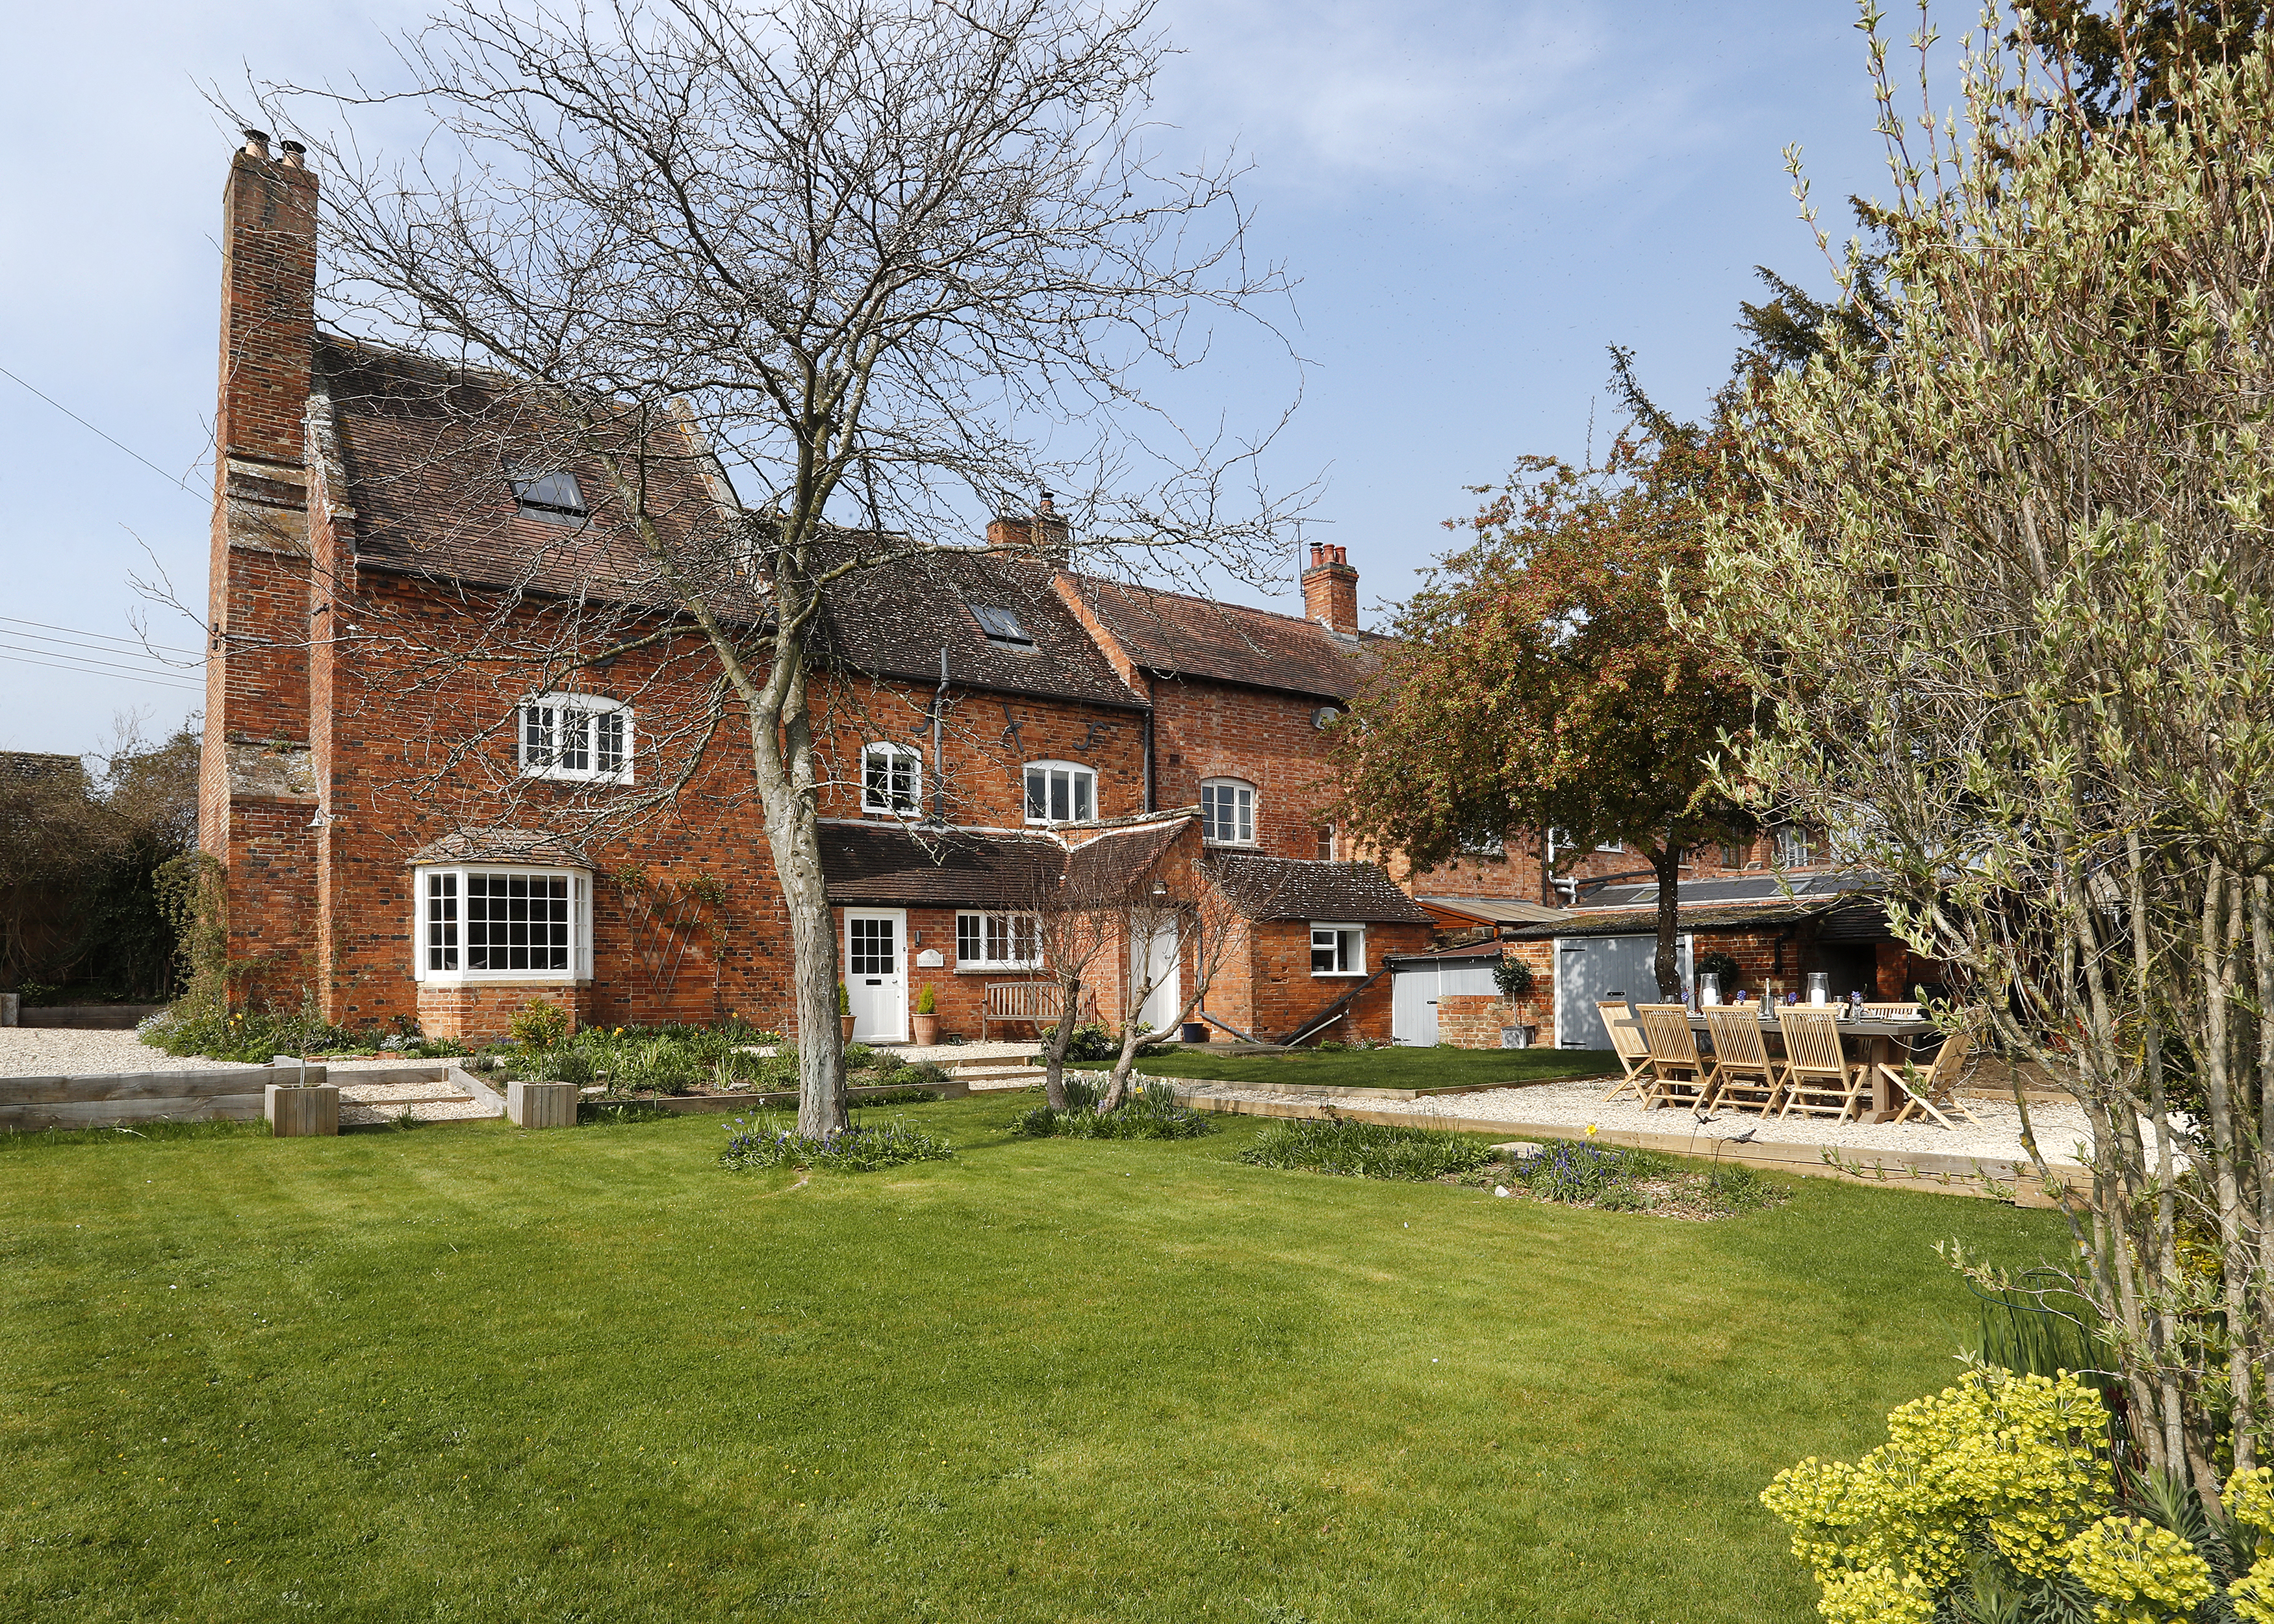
(504, 845)
(1868, 923)
(1293, 888)
(896, 621)
(39, 767)
(425, 449)
(1119, 859)
(888, 866)
(1170, 633)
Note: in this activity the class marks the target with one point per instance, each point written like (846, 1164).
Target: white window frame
(1610, 845)
(1080, 772)
(1792, 847)
(1348, 937)
(583, 713)
(991, 929)
(1481, 845)
(425, 920)
(893, 755)
(1245, 803)
(1328, 838)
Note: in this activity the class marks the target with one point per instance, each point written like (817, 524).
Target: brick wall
(1271, 985)
(1207, 729)
(485, 1013)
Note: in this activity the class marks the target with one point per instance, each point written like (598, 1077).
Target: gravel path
(2061, 1128)
(60, 1051)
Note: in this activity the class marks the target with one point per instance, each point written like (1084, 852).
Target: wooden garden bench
(1020, 1001)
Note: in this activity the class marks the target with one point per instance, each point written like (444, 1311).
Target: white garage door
(1589, 968)
(1414, 989)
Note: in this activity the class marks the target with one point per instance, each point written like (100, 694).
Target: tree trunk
(1667, 865)
(1061, 1037)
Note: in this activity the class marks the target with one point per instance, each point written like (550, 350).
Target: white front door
(1158, 959)
(875, 974)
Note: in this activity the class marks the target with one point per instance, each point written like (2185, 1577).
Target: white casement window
(1610, 845)
(1793, 848)
(1481, 843)
(892, 779)
(577, 737)
(1228, 811)
(1337, 949)
(1060, 793)
(1327, 843)
(481, 922)
(998, 941)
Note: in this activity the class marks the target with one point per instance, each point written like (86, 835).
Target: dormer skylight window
(552, 496)
(1001, 627)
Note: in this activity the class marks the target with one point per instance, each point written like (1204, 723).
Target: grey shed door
(1415, 988)
(1589, 968)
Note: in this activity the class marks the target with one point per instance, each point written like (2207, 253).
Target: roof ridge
(1212, 603)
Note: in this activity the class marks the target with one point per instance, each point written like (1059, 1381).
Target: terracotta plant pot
(927, 1030)
(847, 1021)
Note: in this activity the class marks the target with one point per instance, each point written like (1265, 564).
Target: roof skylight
(1001, 626)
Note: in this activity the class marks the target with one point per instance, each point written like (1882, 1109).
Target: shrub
(844, 1001)
(899, 1096)
(1993, 1500)
(1368, 1150)
(1514, 978)
(1152, 1112)
(762, 1143)
(251, 1036)
(928, 999)
(1089, 1040)
(539, 1025)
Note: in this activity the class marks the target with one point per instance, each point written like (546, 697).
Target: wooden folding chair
(1893, 1011)
(1679, 1074)
(1627, 1043)
(1747, 1073)
(1820, 1078)
(1930, 1092)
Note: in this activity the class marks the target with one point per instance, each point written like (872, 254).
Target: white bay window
(490, 923)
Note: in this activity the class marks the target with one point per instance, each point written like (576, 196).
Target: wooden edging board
(106, 1100)
(691, 1104)
(1330, 1091)
(1994, 1178)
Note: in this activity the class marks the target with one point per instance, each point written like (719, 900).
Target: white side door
(1160, 959)
(1413, 1005)
(877, 973)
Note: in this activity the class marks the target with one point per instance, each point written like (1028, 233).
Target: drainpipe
(939, 766)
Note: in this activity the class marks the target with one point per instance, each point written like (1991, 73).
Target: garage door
(1414, 989)
(1590, 968)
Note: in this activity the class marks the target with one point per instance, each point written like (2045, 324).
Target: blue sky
(1477, 199)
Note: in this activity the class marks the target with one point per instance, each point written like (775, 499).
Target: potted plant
(1516, 982)
(927, 1015)
(845, 1015)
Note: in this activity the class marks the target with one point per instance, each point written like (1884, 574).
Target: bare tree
(1074, 929)
(892, 260)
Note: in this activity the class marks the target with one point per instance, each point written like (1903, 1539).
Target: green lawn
(465, 1373)
(1387, 1068)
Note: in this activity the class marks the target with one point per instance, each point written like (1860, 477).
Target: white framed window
(892, 779)
(1482, 843)
(1793, 848)
(1337, 949)
(486, 921)
(998, 941)
(1326, 833)
(578, 737)
(1228, 811)
(1060, 793)
(1610, 845)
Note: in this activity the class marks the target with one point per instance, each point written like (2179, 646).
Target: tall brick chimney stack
(255, 791)
(1330, 589)
(1046, 530)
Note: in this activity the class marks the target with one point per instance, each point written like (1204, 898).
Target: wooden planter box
(541, 1105)
(300, 1111)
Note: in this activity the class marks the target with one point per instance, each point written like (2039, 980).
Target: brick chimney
(1331, 588)
(257, 604)
(1046, 530)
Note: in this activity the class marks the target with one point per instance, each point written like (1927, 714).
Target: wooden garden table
(1876, 1034)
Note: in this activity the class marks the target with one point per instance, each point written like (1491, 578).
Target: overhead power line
(125, 643)
(175, 479)
(115, 675)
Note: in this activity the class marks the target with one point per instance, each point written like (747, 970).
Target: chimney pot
(1331, 588)
(295, 155)
(256, 142)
